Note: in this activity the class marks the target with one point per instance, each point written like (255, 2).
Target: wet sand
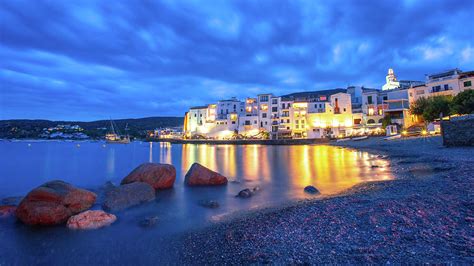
(425, 215)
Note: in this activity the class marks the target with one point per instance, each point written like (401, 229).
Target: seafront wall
(458, 131)
(248, 142)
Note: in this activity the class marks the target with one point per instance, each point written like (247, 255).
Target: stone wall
(458, 131)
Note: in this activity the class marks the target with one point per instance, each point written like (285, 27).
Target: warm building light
(348, 123)
(249, 109)
(264, 107)
(371, 111)
(233, 117)
(300, 105)
(404, 132)
(424, 132)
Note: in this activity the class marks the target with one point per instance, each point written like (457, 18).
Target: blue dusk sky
(87, 60)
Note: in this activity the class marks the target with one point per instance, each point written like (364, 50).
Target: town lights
(424, 132)
(404, 132)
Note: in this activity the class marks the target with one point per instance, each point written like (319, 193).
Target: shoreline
(424, 215)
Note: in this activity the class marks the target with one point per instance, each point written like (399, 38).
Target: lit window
(371, 111)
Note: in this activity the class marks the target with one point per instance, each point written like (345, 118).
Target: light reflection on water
(280, 171)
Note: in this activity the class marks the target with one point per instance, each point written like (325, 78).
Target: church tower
(390, 81)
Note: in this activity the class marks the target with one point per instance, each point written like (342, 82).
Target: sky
(88, 60)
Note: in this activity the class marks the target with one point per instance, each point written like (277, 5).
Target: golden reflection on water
(329, 168)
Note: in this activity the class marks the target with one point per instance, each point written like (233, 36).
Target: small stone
(149, 221)
(311, 190)
(91, 220)
(245, 193)
(7, 211)
(212, 204)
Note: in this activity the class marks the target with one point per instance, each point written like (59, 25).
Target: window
(297, 126)
(384, 98)
(369, 99)
(200, 115)
(446, 87)
(467, 83)
(344, 109)
(282, 121)
(274, 109)
(233, 122)
(247, 122)
(436, 88)
(255, 121)
(297, 121)
(371, 111)
(274, 101)
(264, 115)
(371, 121)
(287, 120)
(266, 123)
(264, 98)
(380, 111)
(315, 105)
(195, 115)
(357, 121)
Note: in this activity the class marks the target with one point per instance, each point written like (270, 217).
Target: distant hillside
(25, 128)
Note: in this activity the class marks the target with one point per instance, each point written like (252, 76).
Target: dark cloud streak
(92, 59)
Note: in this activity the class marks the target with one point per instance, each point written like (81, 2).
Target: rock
(159, 176)
(199, 175)
(212, 204)
(128, 195)
(12, 200)
(53, 203)
(7, 211)
(108, 186)
(311, 190)
(245, 193)
(90, 220)
(149, 221)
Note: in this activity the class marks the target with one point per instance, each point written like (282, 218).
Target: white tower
(390, 81)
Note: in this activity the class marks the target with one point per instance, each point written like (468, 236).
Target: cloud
(89, 59)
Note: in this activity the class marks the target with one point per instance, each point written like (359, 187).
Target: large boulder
(53, 203)
(128, 195)
(90, 220)
(159, 176)
(199, 175)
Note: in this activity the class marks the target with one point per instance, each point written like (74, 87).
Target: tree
(463, 103)
(419, 106)
(386, 121)
(437, 105)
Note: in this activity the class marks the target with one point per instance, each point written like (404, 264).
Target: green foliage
(437, 106)
(418, 107)
(463, 103)
(386, 121)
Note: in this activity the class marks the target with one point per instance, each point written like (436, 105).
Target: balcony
(397, 105)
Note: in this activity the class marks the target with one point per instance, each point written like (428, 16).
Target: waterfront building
(319, 114)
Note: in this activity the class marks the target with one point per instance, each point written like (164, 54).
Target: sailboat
(113, 136)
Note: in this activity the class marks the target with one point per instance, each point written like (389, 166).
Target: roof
(198, 107)
(466, 74)
(312, 94)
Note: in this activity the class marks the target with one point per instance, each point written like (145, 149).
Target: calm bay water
(280, 171)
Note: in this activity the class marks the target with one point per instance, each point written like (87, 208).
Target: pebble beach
(425, 215)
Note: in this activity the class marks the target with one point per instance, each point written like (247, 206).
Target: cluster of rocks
(57, 202)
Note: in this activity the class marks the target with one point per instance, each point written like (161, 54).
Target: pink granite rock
(91, 220)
